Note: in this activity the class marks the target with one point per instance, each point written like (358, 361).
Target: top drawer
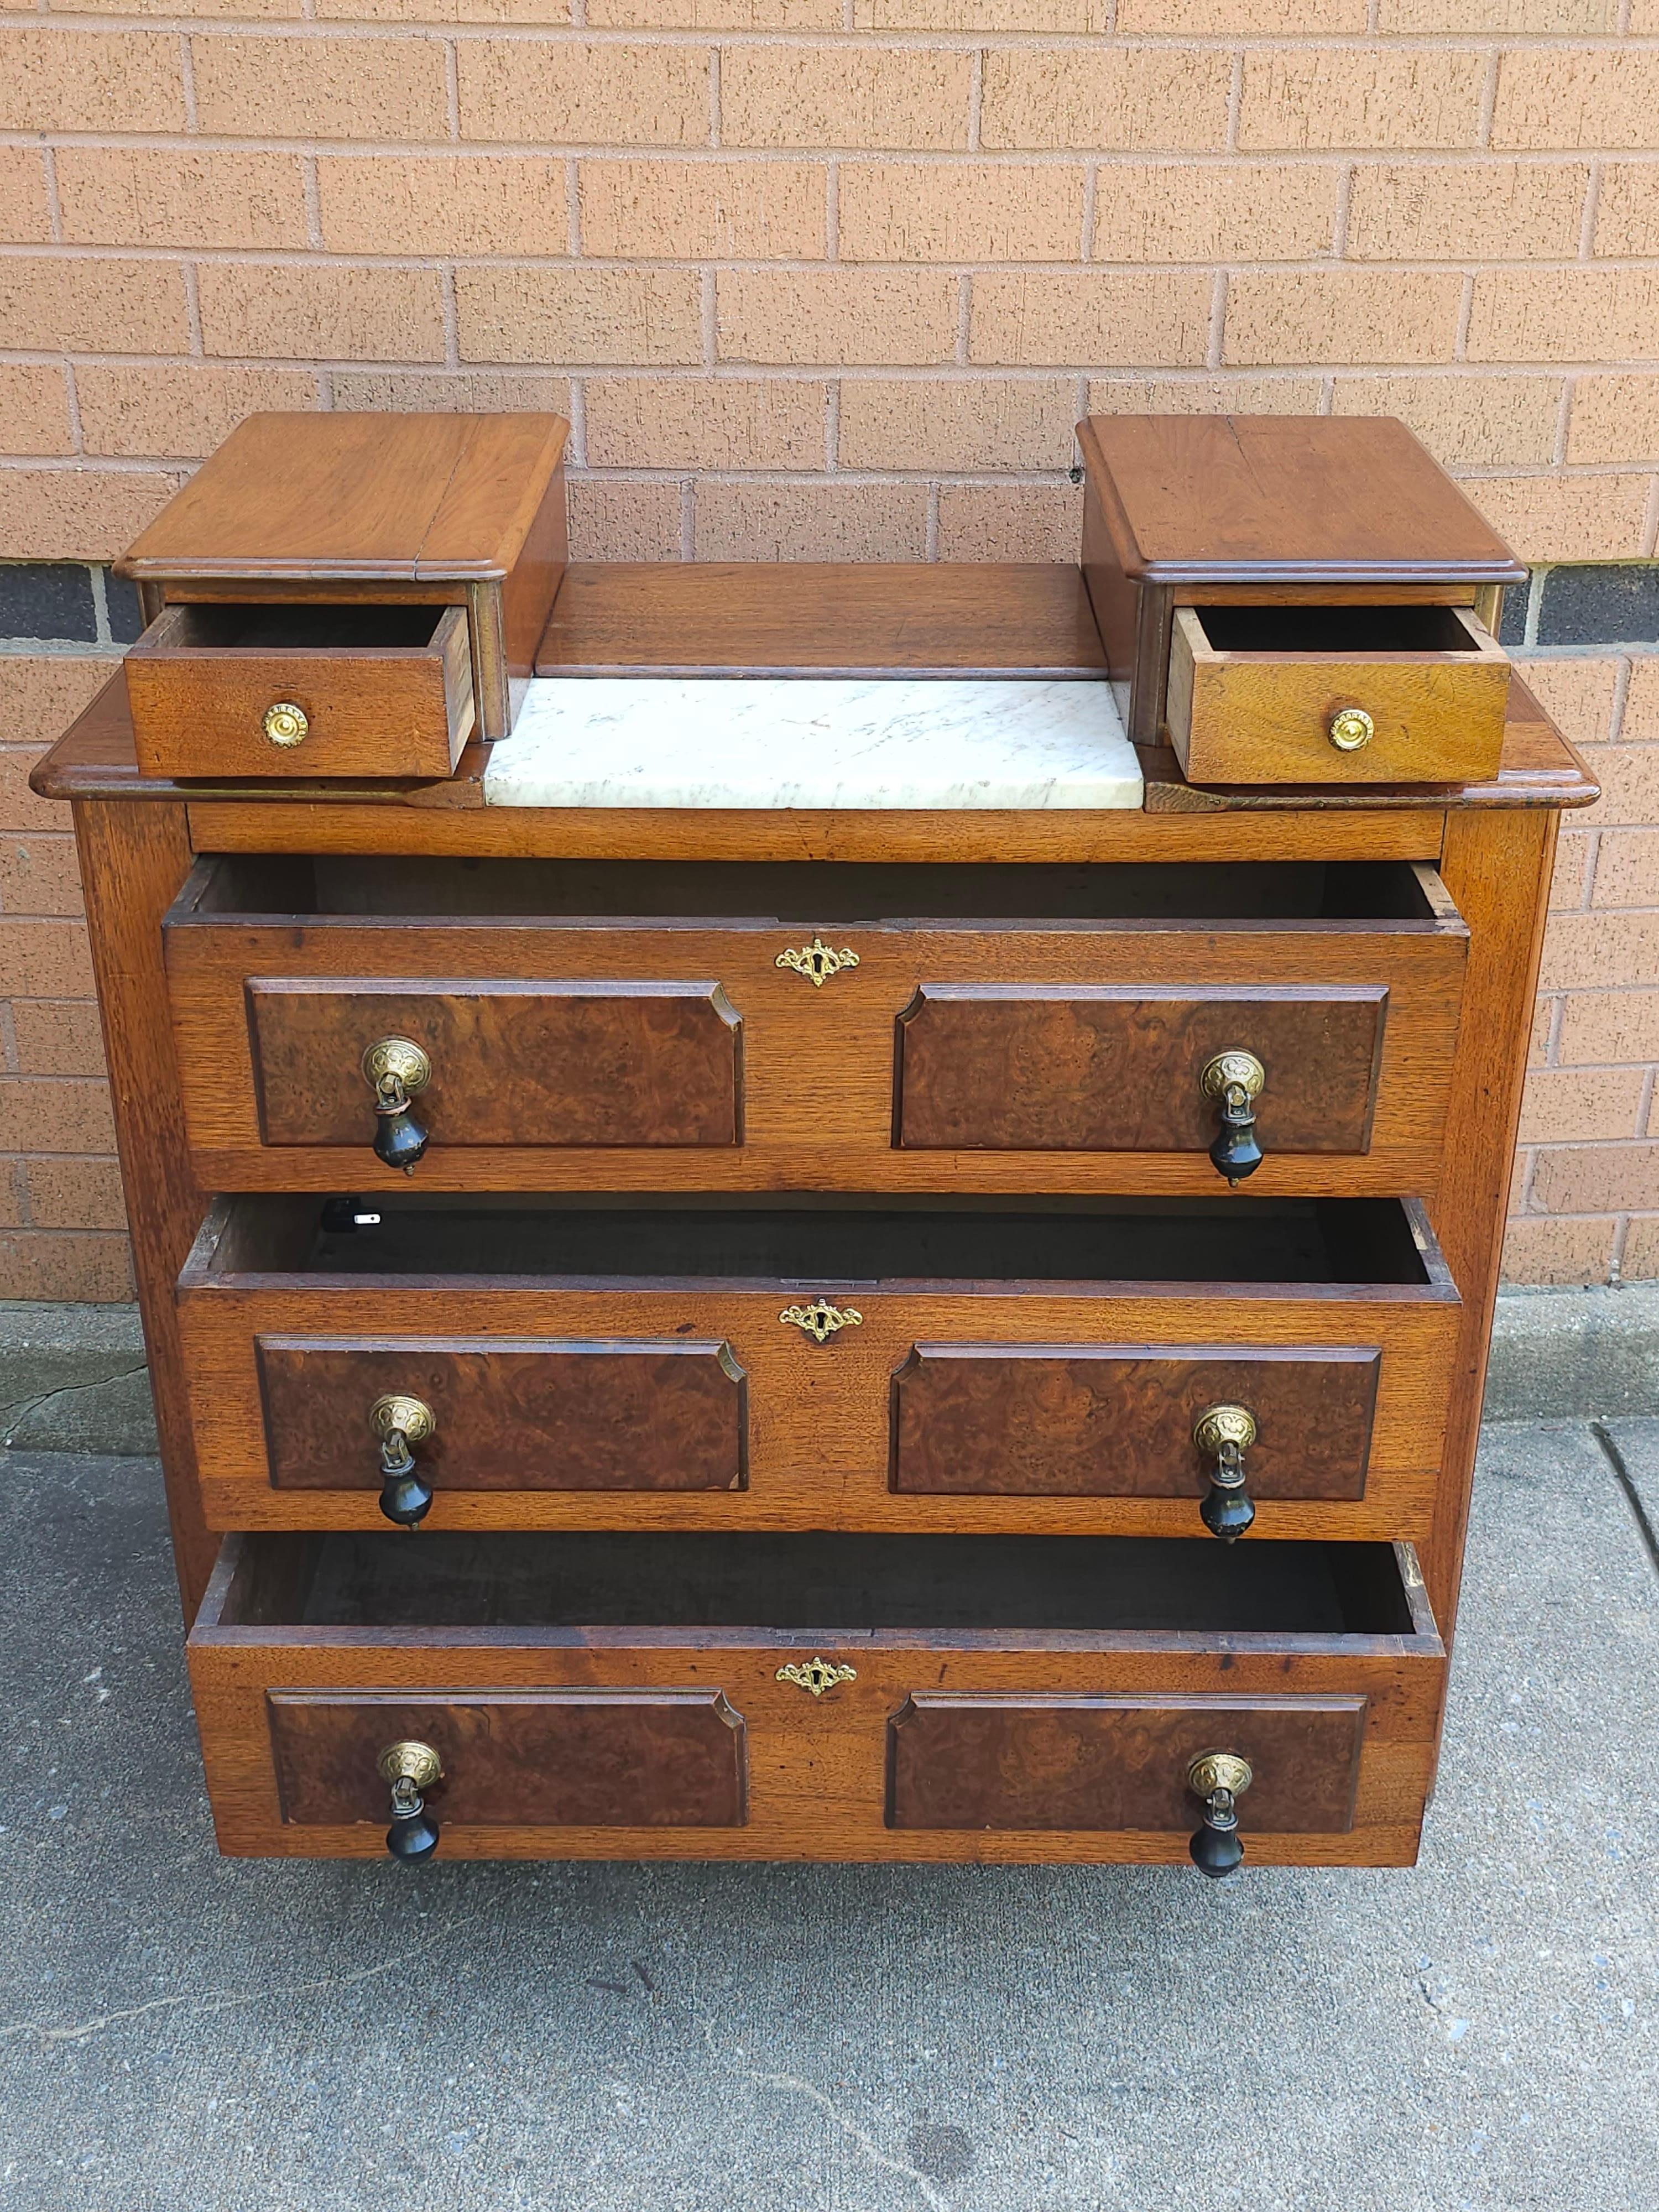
(301, 690)
(1398, 693)
(710, 1027)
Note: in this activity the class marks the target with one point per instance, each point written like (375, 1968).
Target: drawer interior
(1340, 630)
(276, 626)
(816, 1584)
(809, 891)
(821, 1241)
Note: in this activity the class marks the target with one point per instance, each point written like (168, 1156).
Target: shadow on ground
(180, 2032)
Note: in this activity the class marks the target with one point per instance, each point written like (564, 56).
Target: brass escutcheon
(1220, 1425)
(817, 961)
(816, 1675)
(1351, 729)
(415, 1764)
(285, 724)
(1219, 1770)
(1233, 1070)
(821, 1320)
(398, 1056)
(412, 1416)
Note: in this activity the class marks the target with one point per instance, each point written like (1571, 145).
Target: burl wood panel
(511, 1415)
(1103, 1762)
(557, 1758)
(1107, 1067)
(1117, 1420)
(533, 1064)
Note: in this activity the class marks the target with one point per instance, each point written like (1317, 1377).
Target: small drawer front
(1119, 1068)
(546, 1064)
(1117, 1420)
(510, 1415)
(1384, 694)
(562, 1759)
(356, 690)
(1082, 1763)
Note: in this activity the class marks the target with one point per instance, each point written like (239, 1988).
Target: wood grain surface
(1500, 865)
(1117, 1420)
(1286, 499)
(805, 617)
(818, 1781)
(357, 498)
(819, 1063)
(1093, 1762)
(1245, 711)
(387, 691)
(1115, 1068)
(556, 1759)
(609, 1062)
(133, 860)
(512, 1415)
(820, 1415)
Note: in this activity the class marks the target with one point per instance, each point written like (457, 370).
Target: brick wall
(833, 278)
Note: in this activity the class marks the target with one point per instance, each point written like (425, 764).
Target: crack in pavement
(218, 2000)
(22, 1407)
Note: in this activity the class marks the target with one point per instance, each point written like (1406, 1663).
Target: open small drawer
(1401, 692)
(814, 1696)
(269, 689)
(939, 1365)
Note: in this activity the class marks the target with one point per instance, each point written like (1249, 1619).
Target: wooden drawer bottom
(817, 1697)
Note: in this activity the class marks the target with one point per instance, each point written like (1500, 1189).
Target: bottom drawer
(817, 1696)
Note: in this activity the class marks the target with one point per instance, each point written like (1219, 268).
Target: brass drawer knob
(411, 1769)
(1235, 1081)
(820, 1320)
(1350, 729)
(395, 1069)
(1223, 1434)
(817, 961)
(399, 1422)
(1219, 1779)
(286, 725)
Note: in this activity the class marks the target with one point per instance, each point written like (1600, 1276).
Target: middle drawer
(929, 1366)
(695, 1026)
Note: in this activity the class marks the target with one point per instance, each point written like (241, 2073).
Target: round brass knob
(412, 1418)
(417, 1764)
(1233, 1070)
(1212, 1432)
(285, 724)
(1351, 729)
(400, 1057)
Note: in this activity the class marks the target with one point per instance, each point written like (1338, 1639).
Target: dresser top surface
(1294, 498)
(357, 499)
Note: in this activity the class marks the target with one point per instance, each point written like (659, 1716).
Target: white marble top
(773, 742)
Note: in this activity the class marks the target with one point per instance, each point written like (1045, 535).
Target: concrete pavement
(179, 2033)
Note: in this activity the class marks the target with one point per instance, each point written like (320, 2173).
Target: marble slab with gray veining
(767, 742)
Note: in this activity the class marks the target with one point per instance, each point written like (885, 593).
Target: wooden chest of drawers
(819, 1283)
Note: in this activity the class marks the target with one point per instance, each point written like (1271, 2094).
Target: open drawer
(1401, 692)
(267, 689)
(706, 1026)
(817, 1696)
(937, 1364)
